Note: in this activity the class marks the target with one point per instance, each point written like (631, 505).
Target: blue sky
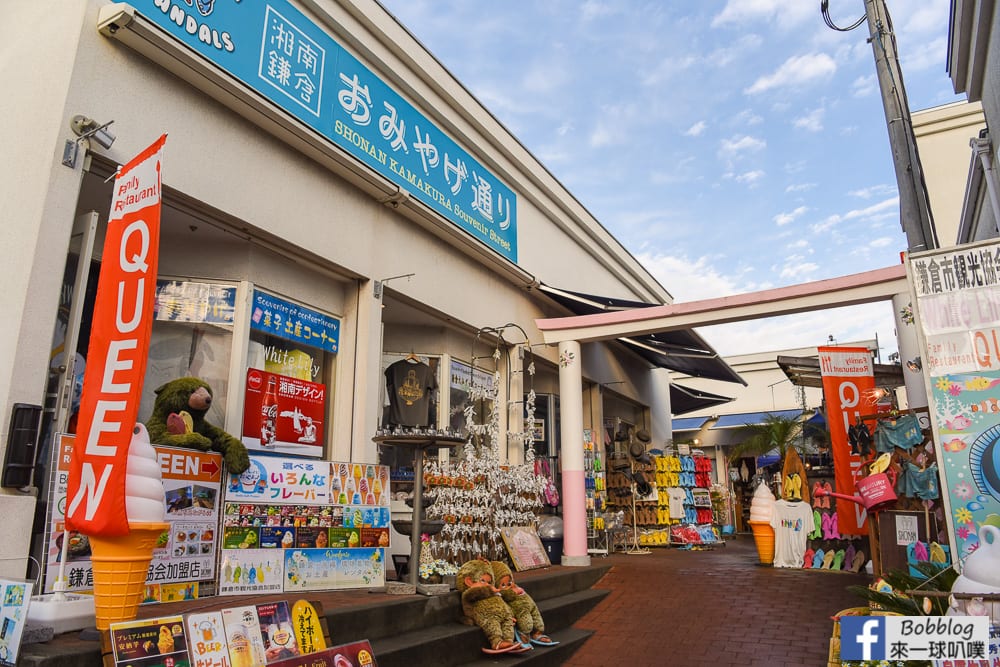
(730, 146)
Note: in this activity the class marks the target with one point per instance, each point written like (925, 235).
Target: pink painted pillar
(571, 444)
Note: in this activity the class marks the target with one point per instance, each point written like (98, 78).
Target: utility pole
(914, 207)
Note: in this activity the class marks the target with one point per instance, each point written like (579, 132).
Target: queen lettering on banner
(848, 377)
(119, 346)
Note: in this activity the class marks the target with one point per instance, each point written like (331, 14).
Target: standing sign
(14, 599)
(119, 347)
(192, 482)
(298, 524)
(957, 309)
(848, 374)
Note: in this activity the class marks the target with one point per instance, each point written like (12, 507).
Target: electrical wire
(824, 7)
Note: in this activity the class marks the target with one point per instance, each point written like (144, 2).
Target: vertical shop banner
(119, 345)
(283, 415)
(848, 376)
(192, 482)
(957, 310)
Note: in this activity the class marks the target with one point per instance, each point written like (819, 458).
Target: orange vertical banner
(119, 346)
(848, 377)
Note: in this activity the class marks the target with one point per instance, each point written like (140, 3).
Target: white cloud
(750, 177)
(882, 242)
(696, 130)
(877, 211)
(666, 69)
(694, 279)
(783, 219)
(796, 268)
(785, 14)
(592, 10)
(873, 191)
(747, 117)
(729, 54)
(800, 187)
(730, 148)
(864, 86)
(812, 121)
(796, 71)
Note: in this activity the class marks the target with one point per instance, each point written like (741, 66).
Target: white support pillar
(571, 443)
(515, 404)
(909, 350)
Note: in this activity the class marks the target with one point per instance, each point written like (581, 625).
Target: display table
(419, 443)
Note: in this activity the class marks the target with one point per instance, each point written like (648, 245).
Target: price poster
(192, 483)
(251, 571)
(207, 640)
(324, 569)
(155, 642)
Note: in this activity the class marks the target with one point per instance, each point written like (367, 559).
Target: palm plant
(775, 434)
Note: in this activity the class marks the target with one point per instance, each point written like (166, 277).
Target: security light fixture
(915, 364)
(86, 129)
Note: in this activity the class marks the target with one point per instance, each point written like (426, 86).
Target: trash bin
(553, 547)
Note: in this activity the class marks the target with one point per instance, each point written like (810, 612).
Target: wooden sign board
(524, 547)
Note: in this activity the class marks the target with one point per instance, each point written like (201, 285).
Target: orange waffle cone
(763, 535)
(120, 568)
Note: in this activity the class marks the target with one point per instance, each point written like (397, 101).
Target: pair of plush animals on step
(503, 610)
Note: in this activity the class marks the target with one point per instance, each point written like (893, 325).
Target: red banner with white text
(119, 346)
(848, 378)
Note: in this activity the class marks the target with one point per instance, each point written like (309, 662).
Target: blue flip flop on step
(543, 640)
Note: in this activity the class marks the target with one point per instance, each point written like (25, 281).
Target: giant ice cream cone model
(121, 563)
(761, 510)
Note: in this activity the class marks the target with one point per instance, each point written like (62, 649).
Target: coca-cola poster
(283, 415)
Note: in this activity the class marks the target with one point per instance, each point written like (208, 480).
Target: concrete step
(457, 644)
(570, 639)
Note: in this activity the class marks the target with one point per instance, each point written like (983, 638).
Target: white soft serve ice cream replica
(761, 510)
(980, 575)
(121, 563)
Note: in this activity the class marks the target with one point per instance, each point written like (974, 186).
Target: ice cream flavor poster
(155, 642)
(279, 480)
(250, 571)
(967, 411)
(326, 569)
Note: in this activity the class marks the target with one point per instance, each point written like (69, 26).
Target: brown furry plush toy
(529, 623)
(178, 420)
(483, 604)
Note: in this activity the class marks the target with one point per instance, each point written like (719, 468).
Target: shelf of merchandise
(595, 481)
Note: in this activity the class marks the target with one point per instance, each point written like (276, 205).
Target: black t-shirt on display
(410, 385)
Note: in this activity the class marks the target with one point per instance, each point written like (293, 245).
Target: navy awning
(685, 399)
(682, 350)
(744, 418)
(688, 423)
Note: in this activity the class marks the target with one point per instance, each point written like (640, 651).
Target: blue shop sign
(281, 54)
(284, 319)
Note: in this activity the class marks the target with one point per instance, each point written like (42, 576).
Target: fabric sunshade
(744, 418)
(686, 399)
(682, 350)
(688, 423)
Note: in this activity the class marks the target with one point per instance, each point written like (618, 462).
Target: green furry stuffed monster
(178, 420)
(483, 604)
(529, 626)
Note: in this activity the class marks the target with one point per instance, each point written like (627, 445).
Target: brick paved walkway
(718, 607)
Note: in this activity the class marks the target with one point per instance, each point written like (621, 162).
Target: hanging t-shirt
(792, 522)
(409, 385)
(676, 496)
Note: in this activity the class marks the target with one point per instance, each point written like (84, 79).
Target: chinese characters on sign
(958, 311)
(282, 54)
(284, 319)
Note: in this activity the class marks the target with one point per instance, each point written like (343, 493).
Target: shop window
(291, 364)
(192, 335)
(463, 378)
